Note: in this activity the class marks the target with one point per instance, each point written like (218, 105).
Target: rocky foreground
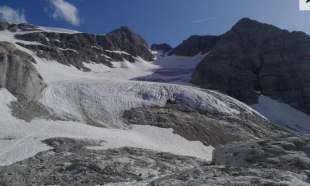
(277, 162)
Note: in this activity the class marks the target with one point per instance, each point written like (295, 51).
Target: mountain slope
(254, 59)
(77, 48)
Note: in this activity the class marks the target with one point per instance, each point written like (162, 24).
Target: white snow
(173, 69)
(58, 30)
(117, 52)
(283, 114)
(180, 62)
(20, 140)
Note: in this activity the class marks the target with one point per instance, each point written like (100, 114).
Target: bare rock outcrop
(18, 74)
(209, 128)
(77, 48)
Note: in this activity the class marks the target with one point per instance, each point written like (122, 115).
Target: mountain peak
(247, 24)
(123, 29)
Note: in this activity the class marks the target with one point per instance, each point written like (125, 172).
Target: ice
(20, 140)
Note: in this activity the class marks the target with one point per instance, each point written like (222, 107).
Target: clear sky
(157, 21)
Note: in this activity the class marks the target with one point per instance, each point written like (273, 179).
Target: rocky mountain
(254, 59)
(78, 48)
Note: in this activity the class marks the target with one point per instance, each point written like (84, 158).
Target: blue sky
(158, 21)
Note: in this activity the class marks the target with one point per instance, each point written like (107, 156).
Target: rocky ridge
(77, 48)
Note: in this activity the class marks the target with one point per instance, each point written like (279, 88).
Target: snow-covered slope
(102, 102)
(20, 140)
(283, 114)
(173, 69)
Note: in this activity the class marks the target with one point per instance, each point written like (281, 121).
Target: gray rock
(125, 40)
(232, 176)
(209, 128)
(29, 110)
(255, 57)
(4, 26)
(18, 74)
(195, 45)
(74, 49)
(285, 153)
(72, 162)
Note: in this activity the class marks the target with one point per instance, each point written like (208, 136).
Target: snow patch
(173, 69)
(283, 114)
(58, 30)
(20, 140)
(52, 71)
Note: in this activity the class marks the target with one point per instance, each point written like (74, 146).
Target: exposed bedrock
(71, 162)
(290, 153)
(76, 48)
(209, 128)
(255, 58)
(18, 74)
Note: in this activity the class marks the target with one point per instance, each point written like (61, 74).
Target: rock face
(72, 162)
(276, 161)
(125, 40)
(76, 48)
(257, 58)
(163, 47)
(195, 45)
(209, 128)
(18, 74)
